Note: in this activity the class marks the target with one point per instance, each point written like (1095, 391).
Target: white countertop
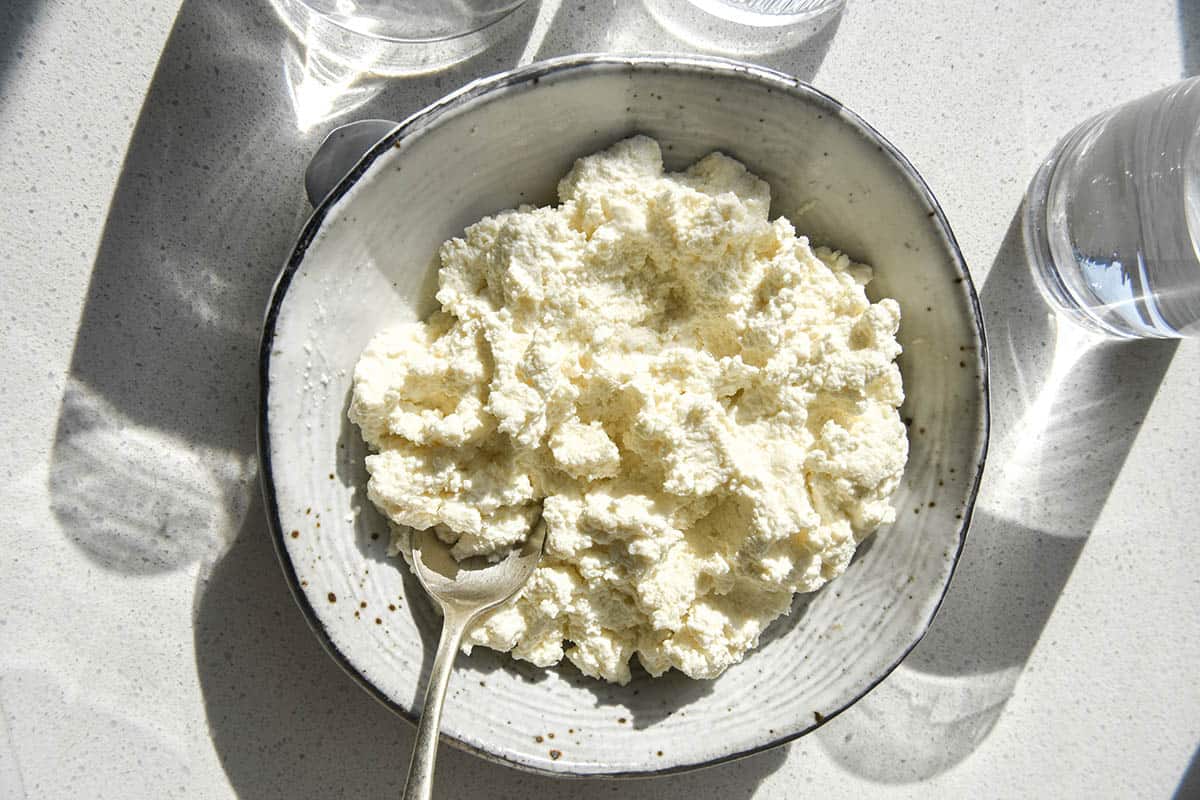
(148, 646)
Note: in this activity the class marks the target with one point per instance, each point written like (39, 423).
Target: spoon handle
(419, 785)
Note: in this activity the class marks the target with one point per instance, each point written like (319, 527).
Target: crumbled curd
(705, 405)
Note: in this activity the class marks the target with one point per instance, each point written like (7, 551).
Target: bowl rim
(422, 120)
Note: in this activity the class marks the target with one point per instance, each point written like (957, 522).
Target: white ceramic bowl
(366, 260)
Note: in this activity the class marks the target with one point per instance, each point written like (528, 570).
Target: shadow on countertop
(1189, 784)
(1066, 409)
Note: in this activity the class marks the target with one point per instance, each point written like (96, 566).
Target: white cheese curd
(705, 405)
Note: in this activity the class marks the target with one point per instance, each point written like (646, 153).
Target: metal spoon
(463, 593)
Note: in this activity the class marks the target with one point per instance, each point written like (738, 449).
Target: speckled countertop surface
(152, 154)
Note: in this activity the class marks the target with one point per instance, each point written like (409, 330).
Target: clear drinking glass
(1112, 219)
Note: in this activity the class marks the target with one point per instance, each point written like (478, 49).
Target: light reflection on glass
(322, 89)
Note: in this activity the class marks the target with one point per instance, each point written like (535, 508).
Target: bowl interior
(367, 261)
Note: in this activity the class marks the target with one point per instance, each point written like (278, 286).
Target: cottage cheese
(704, 404)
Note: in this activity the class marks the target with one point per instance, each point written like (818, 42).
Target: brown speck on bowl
(539, 739)
(391, 606)
(308, 510)
(378, 621)
(295, 534)
(362, 604)
(621, 720)
(550, 735)
(332, 597)
(819, 717)
(556, 754)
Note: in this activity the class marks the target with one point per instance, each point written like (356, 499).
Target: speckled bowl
(366, 259)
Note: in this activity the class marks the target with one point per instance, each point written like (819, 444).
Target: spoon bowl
(474, 585)
(463, 590)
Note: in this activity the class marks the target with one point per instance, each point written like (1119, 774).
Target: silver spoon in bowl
(463, 591)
